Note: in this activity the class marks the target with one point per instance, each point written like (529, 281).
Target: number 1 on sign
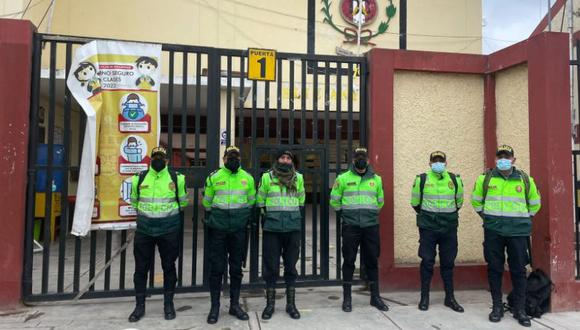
(262, 62)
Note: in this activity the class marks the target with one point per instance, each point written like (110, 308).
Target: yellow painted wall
(280, 24)
(459, 20)
(435, 111)
(511, 98)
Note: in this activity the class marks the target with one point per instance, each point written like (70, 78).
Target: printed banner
(117, 85)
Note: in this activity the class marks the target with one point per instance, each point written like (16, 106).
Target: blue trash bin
(57, 180)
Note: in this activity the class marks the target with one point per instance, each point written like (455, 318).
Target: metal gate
(316, 107)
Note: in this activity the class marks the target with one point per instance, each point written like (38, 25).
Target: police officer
(281, 193)
(158, 195)
(506, 198)
(357, 197)
(437, 197)
(229, 198)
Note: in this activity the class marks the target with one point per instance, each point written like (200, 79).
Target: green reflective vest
(282, 207)
(359, 198)
(438, 210)
(156, 205)
(504, 209)
(230, 198)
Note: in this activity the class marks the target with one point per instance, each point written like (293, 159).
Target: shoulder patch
(451, 185)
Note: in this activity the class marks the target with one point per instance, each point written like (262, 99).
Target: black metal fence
(316, 107)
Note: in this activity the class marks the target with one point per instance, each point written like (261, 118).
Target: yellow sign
(117, 84)
(261, 64)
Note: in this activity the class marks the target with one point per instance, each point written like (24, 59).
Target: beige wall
(459, 19)
(436, 111)
(240, 24)
(511, 98)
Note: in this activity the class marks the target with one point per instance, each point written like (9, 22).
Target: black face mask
(283, 167)
(158, 164)
(233, 164)
(360, 164)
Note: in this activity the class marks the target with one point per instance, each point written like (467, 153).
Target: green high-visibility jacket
(156, 205)
(438, 211)
(230, 198)
(282, 207)
(358, 198)
(504, 209)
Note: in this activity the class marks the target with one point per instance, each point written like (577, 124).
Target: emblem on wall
(359, 14)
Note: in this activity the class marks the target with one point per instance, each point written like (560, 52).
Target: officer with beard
(229, 198)
(357, 197)
(281, 199)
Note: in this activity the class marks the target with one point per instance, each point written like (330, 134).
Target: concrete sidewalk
(320, 308)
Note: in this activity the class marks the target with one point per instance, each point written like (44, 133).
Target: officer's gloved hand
(262, 216)
(417, 209)
(254, 215)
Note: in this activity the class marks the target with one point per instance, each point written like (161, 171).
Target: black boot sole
(212, 319)
(293, 316)
(266, 315)
(243, 317)
(135, 319)
(495, 320)
(526, 324)
(458, 310)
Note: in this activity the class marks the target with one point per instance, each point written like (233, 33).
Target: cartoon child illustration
(133, 108)
(146, 66)
(86, 73)
(132, 150)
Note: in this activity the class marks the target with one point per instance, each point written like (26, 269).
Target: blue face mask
(503, 164)
(438, 167)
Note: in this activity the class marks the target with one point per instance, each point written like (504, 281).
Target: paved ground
(320, 308)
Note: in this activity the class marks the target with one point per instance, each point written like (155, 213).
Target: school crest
(359, 12)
